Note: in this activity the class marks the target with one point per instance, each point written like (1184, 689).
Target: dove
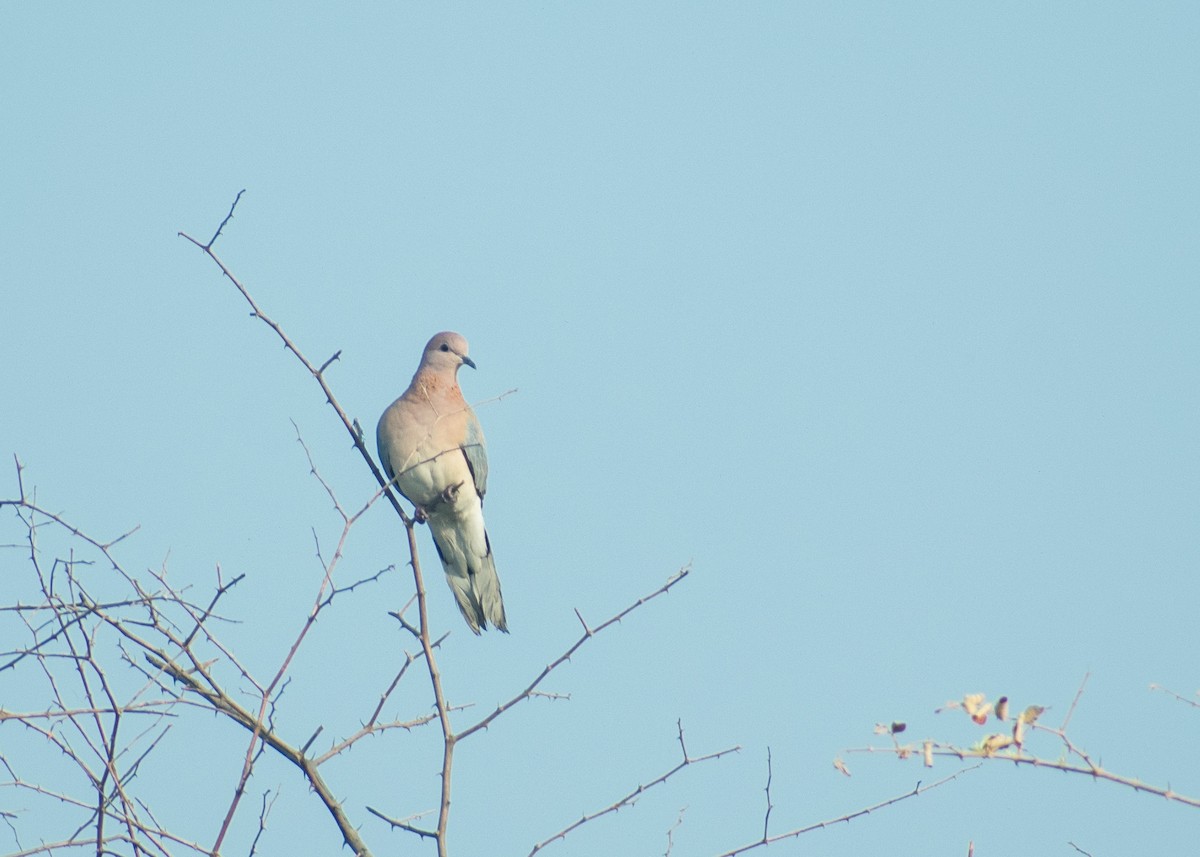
(431, 447)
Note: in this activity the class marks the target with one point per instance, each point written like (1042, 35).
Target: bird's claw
(451, 492)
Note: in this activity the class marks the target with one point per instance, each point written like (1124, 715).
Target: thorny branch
(770, 806)
(104, 724)
(1012, 745)
(318, 372)
(632, 797)
(588, 633)
(1193, 703)
(87, 724)
(848, 817)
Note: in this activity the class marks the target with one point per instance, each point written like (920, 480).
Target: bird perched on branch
(432, 448)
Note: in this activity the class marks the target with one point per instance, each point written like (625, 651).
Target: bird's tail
(471, 573)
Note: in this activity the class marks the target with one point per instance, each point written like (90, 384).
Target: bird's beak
(468, 361)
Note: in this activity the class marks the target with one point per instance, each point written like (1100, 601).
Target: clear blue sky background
(884, 317)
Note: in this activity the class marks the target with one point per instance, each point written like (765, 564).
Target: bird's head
(446, 352)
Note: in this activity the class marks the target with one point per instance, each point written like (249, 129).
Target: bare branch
(671, 832)
(588, 633)
(260, 727)
(255, 725)
(848, 817)
(449, 740)
(1193, 703)
(404, 825)
(770, 806)
(336, 356)
(1075, 701)
(228, 217)
(316, 372)
(263, 812)
(632, 797)
(372, 729)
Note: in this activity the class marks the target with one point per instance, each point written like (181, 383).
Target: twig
(222, 588)
(308, 743)
(770, 806)
(336, 356)
(1193, 703)
(588, 633)
(263, 812)
(848, 817)
(403, 825)
(228, 217)
(632, 797)
(671, 832)
(1075, 701)
(372, 729)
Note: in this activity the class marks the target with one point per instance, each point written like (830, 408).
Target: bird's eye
(445, 347)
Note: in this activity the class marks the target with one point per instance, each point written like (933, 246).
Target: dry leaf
(995, 742)
(977, 706)
(1032, 713)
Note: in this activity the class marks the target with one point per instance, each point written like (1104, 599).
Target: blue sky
(881, 317)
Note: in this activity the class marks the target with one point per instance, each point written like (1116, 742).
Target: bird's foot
(450, 493)
(419, 515)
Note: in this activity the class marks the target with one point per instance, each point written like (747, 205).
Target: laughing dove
(432, 448)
